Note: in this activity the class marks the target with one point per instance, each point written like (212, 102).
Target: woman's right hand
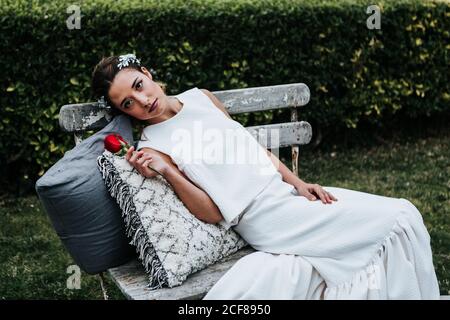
(145, 157)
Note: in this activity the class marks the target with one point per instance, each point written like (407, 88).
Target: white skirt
(363, 246)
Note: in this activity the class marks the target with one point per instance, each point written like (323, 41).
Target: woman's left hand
(312, 191)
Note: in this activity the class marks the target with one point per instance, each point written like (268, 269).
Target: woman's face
(134, 92)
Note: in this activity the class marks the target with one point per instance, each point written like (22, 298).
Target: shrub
(355, 74)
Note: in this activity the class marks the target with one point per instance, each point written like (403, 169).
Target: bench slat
(83, 116)
(281, 135)
(132, 280)
(89, 116)
(264, 98)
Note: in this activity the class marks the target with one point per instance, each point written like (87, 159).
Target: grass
(33, 262)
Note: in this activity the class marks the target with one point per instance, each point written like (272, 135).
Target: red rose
(115, 143)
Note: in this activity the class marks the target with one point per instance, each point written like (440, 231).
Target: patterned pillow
(171, 242)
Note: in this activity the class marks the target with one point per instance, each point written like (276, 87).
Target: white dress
(363, 246)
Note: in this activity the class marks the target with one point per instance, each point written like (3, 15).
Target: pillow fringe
(119, 190)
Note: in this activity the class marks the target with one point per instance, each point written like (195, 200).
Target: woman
(363, 246)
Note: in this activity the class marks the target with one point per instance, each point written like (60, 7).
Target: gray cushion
(85, 217)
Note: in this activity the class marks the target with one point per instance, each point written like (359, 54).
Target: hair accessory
(126, 59)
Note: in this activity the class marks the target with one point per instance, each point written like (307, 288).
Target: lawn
(33, 262)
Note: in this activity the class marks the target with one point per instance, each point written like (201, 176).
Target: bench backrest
(77, 118)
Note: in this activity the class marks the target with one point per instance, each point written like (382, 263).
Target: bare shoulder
(216, 102)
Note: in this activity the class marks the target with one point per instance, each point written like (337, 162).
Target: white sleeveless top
(217, 153)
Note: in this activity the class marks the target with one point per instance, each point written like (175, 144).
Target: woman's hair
(104, 74)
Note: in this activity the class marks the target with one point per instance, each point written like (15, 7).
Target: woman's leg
(346, 239)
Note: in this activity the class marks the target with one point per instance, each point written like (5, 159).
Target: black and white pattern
(171, 242)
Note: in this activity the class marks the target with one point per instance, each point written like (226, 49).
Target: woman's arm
(194, 198)
(304, 189)
(288, 175)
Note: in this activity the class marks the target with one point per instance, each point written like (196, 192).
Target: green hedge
(355, 74)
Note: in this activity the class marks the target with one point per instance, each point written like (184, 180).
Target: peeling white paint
(92, 117)
(108, 117)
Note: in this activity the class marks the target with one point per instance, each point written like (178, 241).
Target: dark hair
(104, 74)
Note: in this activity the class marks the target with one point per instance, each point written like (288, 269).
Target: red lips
(153, 107)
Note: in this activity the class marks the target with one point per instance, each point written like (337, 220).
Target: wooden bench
(130, 277)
